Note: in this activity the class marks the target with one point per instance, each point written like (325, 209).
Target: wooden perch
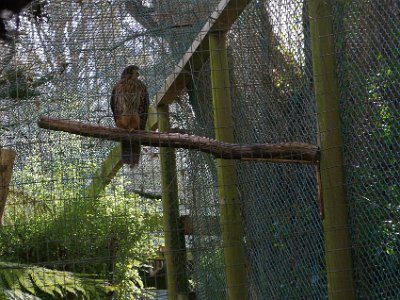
(280, 153)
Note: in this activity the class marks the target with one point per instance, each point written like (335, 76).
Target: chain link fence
(368, 54)
(64, 63)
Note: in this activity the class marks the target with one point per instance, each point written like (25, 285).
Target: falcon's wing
(114, 103)
(143, 107)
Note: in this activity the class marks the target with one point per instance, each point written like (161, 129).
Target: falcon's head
(130, 71)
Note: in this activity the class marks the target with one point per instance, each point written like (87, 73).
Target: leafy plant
(49, 223)
(50, 284)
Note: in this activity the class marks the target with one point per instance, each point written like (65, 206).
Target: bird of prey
(129, 104)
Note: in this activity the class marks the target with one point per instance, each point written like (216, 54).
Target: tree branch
(280, 153)
(141, 13)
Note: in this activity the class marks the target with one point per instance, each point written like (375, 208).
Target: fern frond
(47, 283)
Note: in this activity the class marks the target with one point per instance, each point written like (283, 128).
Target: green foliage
(49, 223)
(16, 84)
(381, 176)
(209, 274)
(373, 134)
(49, 284)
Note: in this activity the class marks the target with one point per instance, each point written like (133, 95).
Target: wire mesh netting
(369, 71)
(78, 224)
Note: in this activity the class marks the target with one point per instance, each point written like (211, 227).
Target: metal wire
(65, 66)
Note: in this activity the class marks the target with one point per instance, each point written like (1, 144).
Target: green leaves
(110, 237)
(50, 284)
(52, 222)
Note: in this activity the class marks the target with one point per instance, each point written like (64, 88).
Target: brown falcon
(129, 104)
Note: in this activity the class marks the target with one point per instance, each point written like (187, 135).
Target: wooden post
(7, 157)
(336, 227)
(175, 248)
(102, 177)
(231, 222)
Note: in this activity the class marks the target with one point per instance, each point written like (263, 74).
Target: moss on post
(336, 227)
(231, 223)
(175, 248)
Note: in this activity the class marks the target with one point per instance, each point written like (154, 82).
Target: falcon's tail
(130, 153)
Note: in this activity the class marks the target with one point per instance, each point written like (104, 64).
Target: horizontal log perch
(280, 153)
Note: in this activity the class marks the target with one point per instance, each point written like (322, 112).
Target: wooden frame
(335, 211)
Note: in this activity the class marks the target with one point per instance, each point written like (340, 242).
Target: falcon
(129, 104)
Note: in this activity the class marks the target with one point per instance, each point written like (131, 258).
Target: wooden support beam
(335, 210)
(7, 157)
(152, 119)
(278, 153)
(175, 246)
(104, 174)
(230, 216)
(221, 19)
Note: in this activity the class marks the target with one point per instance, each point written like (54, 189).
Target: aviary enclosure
(269, 166)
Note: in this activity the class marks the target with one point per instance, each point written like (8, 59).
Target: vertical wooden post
(7, 157)
(231, 223)
(336, 227)
(175, 248)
